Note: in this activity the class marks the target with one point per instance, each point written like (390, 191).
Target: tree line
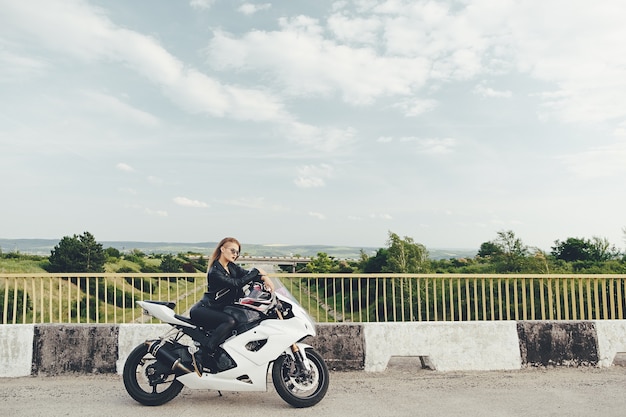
(506, 253)
(82, 253)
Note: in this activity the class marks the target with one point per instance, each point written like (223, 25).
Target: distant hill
(43, 247)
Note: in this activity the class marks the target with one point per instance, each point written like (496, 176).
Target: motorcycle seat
(185, 319)
(169, 304)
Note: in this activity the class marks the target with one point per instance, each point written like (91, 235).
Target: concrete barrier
(74, 348)
(16, 349)
(53, 349)
(611, 341)
(570, 343)
(444, 346)
(341, 345)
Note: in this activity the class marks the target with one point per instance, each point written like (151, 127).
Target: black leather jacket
(225, 287)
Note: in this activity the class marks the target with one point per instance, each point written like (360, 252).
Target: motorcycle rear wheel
(137, 383)
(297, 388)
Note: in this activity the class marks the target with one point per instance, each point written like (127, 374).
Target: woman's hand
(267, 281)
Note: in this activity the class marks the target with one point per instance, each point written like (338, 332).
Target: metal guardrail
(91, 298)
(110, 298)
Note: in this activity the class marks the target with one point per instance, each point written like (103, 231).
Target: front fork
(302, 365)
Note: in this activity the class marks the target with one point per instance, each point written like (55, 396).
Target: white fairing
(250, 374)
(298, 311)
(163, 313)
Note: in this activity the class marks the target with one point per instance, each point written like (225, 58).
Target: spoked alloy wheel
(147, 381)
(300, 388)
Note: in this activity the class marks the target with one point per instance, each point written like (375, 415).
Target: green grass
(21, 266)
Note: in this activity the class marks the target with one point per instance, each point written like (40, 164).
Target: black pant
(213, 317)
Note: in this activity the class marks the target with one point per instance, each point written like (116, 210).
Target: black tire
(137, 384)
(296, 388)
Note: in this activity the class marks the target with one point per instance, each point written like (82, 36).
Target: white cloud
(311, 176)
(251, 8)
(356, 30)
(393, 49)
(450, 42)
(573, 47)
(128, 190)
(576, 104)
(383, 216)
(202, 4)
(306, 64)
(18, 66)
(124, 167)
(112, 106)
(157, 213)
(187, 202)
(597, 162)
(324, 139)
(317, 215)
(484, 91)
(431, 145)
(415, 106)
(309, 182)
(390, 49)
(155, 180)
(620, 130)
(76, 29)
(256, 203)
(436, 146)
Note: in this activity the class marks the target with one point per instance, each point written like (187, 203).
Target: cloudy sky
(317, 122)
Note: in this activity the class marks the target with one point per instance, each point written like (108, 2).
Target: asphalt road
(399, 391)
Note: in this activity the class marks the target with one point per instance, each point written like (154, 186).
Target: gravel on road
(400, 391)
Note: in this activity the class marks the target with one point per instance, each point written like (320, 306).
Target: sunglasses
(233, 251)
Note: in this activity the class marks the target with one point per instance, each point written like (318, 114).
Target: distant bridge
(274, 260)
(271, 260)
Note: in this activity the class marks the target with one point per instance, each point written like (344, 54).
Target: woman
(225, 282)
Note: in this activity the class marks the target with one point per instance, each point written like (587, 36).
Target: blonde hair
(216, 253)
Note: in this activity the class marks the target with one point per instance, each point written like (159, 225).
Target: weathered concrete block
(16, 349)
(74, 348)
(611, 342)
(341, 345)
(570, 343)
(444, 346)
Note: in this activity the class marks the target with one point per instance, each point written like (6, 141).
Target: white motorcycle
(270, 330)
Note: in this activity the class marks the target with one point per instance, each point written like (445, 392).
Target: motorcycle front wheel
(144, 382)
(297, 387)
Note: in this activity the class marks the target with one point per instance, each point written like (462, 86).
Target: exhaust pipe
(155, 347)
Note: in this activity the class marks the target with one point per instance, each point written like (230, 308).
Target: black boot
(220, 334)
